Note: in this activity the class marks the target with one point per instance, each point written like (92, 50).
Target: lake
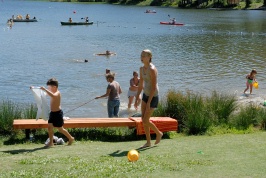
(214, 50)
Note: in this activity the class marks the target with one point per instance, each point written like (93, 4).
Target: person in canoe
(70, 20)
(28, 17)
(107, 53)
(173, 21)
(87, 19)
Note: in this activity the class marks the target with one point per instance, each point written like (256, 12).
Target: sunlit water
(214, 50)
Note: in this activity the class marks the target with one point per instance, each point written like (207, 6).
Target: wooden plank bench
(166, 123)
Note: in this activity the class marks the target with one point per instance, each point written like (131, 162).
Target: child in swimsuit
(56, 114)
(133, 89)
(250, 80)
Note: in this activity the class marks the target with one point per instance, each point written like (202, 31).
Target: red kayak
(169, 23)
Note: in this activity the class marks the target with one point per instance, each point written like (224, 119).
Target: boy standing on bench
(56, 114)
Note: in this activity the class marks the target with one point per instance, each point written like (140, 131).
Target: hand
(42, 88)
(97, 97)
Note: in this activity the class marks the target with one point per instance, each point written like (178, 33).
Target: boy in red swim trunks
(56, 114)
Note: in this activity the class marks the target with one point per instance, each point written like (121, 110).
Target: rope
(79, 106)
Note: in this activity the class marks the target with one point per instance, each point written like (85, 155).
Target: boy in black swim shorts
(56, 114)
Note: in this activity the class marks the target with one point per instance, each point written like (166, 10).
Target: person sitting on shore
(28, 17)
(70, 20)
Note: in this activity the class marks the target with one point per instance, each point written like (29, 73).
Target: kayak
(169, 23)
(76, 23)
(25, 20)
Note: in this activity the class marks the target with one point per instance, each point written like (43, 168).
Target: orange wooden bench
(164, 124)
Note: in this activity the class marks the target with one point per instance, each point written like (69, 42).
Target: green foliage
(198, 119)
(248, 2)
(260, 119)
(222, 106)
(103, 134)
(8, 112)
(189, 109)
(29, 111)
(246, 117)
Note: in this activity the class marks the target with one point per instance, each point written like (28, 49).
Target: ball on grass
(133, 155)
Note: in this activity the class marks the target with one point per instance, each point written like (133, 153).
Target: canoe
(76, 23)
(169, 23)
(150, 12)
(25, 20)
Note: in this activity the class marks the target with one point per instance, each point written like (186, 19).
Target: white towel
(42, 105)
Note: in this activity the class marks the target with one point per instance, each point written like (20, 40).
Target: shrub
(245, 117)
(189, 109)
(222, 106)
(29, 111)
(198, 119)
(8, 112)
(261, 118)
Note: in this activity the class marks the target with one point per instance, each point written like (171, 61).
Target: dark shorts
(154, 101)
(56, 118)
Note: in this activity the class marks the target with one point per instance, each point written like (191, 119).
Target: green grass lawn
(229, 155)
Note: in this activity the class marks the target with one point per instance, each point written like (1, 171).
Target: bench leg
(27, 132)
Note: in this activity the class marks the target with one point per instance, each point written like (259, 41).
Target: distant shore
(170, 3)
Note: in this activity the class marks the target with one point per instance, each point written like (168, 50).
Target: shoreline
(148, 3)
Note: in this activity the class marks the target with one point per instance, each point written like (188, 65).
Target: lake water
(214, 50)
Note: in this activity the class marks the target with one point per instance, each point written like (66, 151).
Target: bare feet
(146, 145)
(158, 138)
(71, 141)
(49, 146)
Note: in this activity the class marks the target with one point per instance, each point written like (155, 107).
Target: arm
(132, 84)
(52, 95)
(140, 87)
(153, 75)
(120, 90)
(105, 95)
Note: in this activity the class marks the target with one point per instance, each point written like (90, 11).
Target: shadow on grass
(120, 153)
(19, 151)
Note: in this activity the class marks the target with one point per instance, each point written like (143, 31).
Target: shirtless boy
(56, 114)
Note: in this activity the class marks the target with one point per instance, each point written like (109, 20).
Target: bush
(188, 109)
(198, 119)
(222, 106)
(8, 112)
(261, 118)
(247, 116)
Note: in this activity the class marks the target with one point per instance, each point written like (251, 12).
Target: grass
(238, 155)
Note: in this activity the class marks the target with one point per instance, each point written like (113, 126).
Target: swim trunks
(56, 118)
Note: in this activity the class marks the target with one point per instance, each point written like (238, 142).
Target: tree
(248, 2)
(264, 3)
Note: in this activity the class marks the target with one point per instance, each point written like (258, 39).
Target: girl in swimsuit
(148, 83)
(250, 80)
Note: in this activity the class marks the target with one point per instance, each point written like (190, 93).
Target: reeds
(197, 113)
(10, 110)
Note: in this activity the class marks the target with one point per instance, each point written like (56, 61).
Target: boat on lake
(150, 11)
(76, 23)
(25, 20)
(170, 23)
